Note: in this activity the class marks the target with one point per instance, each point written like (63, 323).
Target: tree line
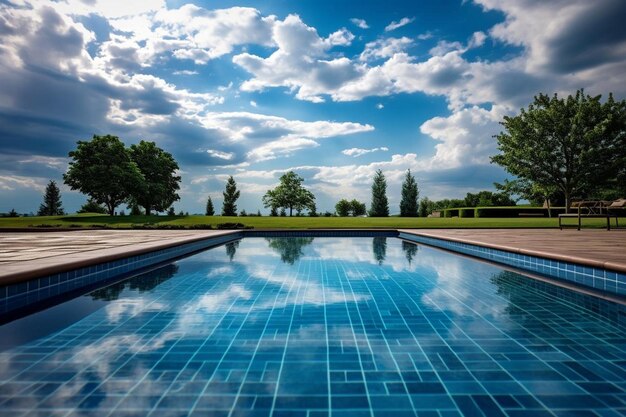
(557, 149)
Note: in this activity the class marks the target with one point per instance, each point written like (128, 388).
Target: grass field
(122, 222)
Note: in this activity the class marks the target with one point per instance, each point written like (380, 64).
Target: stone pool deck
(594, 247)
(30, 254)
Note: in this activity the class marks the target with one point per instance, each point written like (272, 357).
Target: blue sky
(331, 89)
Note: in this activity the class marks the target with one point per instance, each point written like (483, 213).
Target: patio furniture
(594, 209)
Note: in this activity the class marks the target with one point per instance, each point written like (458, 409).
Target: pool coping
(25, 271)
(613, 266)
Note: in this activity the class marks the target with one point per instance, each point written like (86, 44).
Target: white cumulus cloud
(402, 22)
(356, 152)
(359, 23)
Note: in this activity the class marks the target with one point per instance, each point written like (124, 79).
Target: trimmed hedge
(502, 212)
(451, 212)
(467, 212)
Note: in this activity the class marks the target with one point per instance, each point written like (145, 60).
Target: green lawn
(92, 220)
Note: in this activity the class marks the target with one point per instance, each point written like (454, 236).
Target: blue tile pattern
(599, 278)
(326, 326)
(22, 294)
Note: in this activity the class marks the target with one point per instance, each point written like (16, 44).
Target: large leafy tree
(380, 204)
(231, 194)
(357, 208)
(410, 193)
(343, 208)
(346, 208)
(51, 205)
(576, 145)
(103, 169)
(290, 194)
(158, 189)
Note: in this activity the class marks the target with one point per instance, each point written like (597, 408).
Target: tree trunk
(147, 210)
(290, 210)
(567, 202)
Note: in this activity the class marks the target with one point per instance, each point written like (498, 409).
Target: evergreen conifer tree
(231, 194)
(51, 205)
(380, 204)
(210, 211)
(408, 204)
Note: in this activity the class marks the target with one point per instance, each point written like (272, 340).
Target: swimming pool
(310, 326)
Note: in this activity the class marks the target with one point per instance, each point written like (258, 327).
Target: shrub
(504, 212)
(227, 226)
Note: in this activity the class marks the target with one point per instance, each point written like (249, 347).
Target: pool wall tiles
(24, 293)
(598, 278)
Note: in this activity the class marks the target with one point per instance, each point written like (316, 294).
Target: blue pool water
(317, 327)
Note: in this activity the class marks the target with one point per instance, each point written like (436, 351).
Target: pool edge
(598, 276)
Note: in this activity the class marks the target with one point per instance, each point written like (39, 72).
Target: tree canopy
(103, 169)
(380, 204)
(346, 208)
(410, 193)
(488, 199)
(290, 194)
(157, 190)
(51, 205)
(576, 145)
(231, 194)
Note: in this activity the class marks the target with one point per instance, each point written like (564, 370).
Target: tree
(135, 210)
(210, 211)
(231, 194)
(576, 145)
(343, 208)
(426, 207)
(158, 189)
(171, 211)
(357, 208)
(380, 205)
(102, 168)
(410, 193)
(91, 206)
(274, 212)
(488, 199)
(350, 208)
(51, 205)
(290, 194)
